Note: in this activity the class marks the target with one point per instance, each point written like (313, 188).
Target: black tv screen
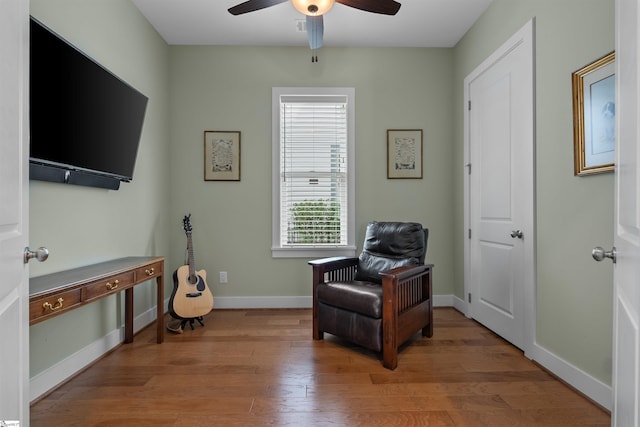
(83, 117)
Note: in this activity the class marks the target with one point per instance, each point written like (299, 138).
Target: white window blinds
(313, 170)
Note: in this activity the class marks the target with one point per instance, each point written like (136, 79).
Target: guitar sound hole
(193, 279)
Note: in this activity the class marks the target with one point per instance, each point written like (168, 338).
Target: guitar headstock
(187, 224)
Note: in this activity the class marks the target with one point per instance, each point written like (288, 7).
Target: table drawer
(149, 271)
(44, 308)
(108, 286)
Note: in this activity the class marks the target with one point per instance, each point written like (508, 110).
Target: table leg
(128, 319)
(160, 304)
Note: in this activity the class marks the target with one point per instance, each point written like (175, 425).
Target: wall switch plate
(223, 277)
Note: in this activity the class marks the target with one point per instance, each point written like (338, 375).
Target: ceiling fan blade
(384, 7)
(253, 5)
(315, 31)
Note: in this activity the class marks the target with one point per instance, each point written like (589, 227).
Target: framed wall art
(221, 155)
(594, 117)
(404, 153)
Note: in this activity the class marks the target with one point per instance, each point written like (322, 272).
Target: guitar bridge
(194, 294)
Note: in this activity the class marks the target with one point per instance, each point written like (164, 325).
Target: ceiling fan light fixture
(313, 7)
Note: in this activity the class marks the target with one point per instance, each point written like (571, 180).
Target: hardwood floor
(261, 367)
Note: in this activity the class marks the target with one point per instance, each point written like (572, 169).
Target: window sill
(313, 252)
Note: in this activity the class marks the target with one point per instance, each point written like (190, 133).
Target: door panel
(626, 310)
(14, 153)
(501, 190)
(497, 292)
(497, 297)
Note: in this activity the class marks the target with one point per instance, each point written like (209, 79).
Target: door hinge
(469, 233)
(469, 297)
(468, 165)
(469, 105)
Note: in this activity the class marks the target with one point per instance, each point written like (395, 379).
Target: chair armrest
(334, 268)
(333, 263)
(404, 287)
(406, 272)
(336, 260)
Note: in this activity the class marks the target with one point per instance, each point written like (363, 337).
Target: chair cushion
(362, 330)
(360, 297)
(389, 245)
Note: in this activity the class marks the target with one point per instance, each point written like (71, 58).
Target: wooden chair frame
(406, 306)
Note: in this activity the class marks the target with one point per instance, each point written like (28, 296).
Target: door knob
(599, 254)
(41, 254)
(517, 234)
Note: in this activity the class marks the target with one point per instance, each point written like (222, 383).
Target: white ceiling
(419, 23)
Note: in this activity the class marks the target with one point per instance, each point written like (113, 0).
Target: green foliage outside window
(314, 222)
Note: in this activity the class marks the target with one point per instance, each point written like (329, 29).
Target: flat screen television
(86, 122)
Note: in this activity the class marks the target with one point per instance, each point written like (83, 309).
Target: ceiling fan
(314, 9)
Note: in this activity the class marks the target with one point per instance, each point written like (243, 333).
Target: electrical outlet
(223, 277)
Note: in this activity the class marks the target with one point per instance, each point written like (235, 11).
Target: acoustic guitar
(191, 297)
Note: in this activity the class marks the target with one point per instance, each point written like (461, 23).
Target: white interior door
(626, 310)
(500, 274)
(14, 187)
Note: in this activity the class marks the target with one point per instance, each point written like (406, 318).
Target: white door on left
(14, 210)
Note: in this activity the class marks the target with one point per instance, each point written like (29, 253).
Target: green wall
(197, 88)
(574, 214)
(82, 225)
(229, 89)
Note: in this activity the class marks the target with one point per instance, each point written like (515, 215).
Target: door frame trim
(525, 35)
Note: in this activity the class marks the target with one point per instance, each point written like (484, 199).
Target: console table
(57, 293)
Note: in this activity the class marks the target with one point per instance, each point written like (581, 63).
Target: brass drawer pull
(47, 305)
(150, 271)
(113, 286)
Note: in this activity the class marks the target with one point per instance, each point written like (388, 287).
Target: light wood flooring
(261, 367)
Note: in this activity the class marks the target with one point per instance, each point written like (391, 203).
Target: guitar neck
(191, 260)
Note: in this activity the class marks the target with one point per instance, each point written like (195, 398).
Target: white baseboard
(449, 301)
(47, 380)
(261, 302)
(443, 300)
(591, 387)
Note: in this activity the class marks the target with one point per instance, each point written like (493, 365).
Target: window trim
(278, 251)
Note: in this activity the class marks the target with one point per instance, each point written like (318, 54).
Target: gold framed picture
(404, 153)
(594, 117)
(221, 155)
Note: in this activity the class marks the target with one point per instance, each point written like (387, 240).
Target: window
(313, 172)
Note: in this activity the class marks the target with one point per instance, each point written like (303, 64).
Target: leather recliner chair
(383, 297)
